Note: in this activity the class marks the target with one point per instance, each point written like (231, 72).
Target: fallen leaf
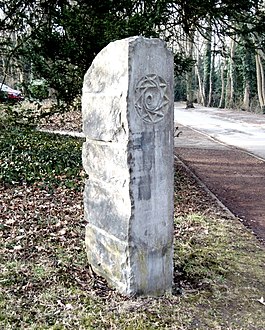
(62, 232)
(17, 247)
(262, 301)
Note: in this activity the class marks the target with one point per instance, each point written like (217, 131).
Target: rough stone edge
(131, 280)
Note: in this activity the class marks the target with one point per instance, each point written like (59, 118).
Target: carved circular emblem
(151, 98)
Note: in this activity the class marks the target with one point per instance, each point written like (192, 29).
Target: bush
(38, 89)
(3, 96)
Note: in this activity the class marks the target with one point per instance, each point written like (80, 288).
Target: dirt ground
(236, 178)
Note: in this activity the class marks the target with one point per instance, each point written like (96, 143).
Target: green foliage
(63, 48)
(3, 96)
(61, 38)
(38, 90)
(245, 67)
(179, 88)
(28, 156)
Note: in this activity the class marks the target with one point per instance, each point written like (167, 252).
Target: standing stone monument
(127, 107)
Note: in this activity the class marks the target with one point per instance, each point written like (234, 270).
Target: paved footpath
(226, 150)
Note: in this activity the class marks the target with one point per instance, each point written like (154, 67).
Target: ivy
(28, 156)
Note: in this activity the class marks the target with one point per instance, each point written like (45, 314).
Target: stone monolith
(127, 108)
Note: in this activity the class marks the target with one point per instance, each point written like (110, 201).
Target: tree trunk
(246, 100)
(209, 103)
(190, 74)
(207, 68)
(222, 98)
(229, 101)
(201, 98)
(189, 88)
(247, 78)
(260, 81)
(228, 88)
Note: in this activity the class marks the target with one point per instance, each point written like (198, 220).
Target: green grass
(46, 282)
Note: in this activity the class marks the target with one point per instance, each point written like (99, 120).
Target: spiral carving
(151, 98)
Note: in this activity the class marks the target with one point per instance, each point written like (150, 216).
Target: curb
(62, 132)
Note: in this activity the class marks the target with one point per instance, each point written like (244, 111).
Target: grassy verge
(47, 284)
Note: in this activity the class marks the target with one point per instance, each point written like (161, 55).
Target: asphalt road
(236, 128)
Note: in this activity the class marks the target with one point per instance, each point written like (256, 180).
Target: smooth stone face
(127, 109)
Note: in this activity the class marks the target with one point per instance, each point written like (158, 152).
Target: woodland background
(47, 46)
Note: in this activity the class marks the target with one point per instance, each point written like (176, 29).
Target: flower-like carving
(151, 99)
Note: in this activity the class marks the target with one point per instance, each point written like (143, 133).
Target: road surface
(236, 128)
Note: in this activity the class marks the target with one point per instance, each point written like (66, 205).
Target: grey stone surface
(127, 108)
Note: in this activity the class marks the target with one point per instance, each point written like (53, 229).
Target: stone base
(109, 257)
(133, 270)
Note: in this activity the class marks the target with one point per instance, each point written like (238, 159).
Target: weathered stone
(127, 108)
